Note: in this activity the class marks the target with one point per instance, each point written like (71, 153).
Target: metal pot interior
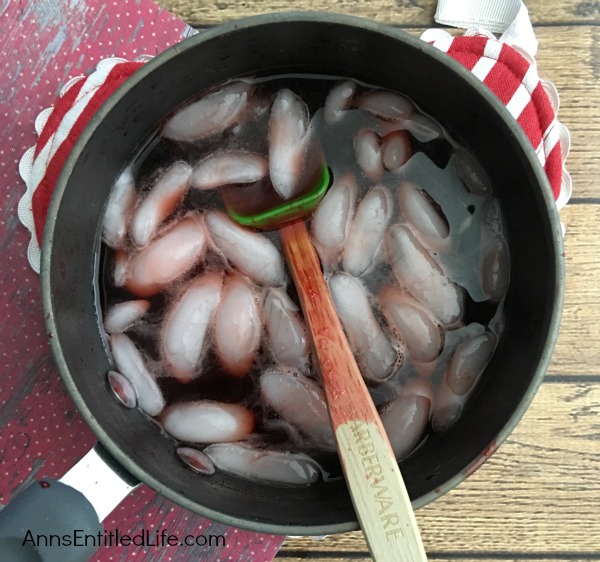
(314, 44)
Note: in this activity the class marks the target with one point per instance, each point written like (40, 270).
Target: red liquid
(214, 383)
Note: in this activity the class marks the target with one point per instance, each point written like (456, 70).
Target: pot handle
(60, 520)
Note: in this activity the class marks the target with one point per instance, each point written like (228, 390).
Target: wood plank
(399, 12)
(577, 351)
(571, 59)
(538, 495)
(314, 553)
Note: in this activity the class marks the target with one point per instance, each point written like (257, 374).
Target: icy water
(439, 186)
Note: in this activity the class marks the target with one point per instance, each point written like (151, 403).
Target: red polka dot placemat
(44, 45)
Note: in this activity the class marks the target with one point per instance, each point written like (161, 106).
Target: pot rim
(282, 18)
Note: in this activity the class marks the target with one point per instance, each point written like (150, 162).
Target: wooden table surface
(538, 498)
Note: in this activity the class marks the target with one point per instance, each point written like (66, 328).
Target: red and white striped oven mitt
(58, 129)
(505, 65)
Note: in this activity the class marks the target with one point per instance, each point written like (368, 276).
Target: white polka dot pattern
(44, 45)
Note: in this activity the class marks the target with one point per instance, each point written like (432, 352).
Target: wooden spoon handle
(374, 480)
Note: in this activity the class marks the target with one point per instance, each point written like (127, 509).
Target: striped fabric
(64, 124)
(506, 72)
(514, 80)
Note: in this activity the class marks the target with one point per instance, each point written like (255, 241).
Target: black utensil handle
(53, 521)
(48, 522)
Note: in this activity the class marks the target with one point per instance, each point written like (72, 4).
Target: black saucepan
(311, 43)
